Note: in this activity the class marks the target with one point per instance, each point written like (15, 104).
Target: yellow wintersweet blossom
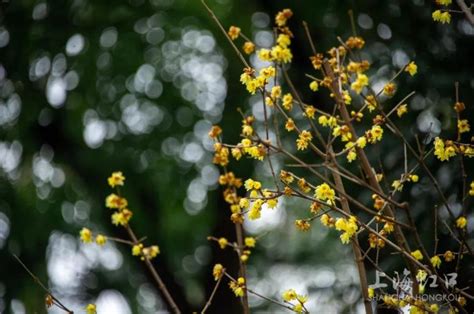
(151, 251)
(222, 242)
(444, 150)
(283, 40)
(276, 92)
(86, 235)
(314, 86)
(411, 68)
(371, 102)
(324, 192)
(122, 217)
(234, 32)
(327, 122)
(303, 140)
(116, 179)
(250, 241)
(435, 261)
(359, 84)
(417, 255)
(461, 222)
(442, 17)
(238, 286)
(444, 2)
(268, 72)
(91, 309)
(287, 102)
(265, 54)
(370, 292)
(290, 125)
(309, 111)
(282, 17)
(361, 142)
(281, 54)
(289, 295)
(471, 190)
(248, 47)
(349, 226)
(115, 202)
(402, 110)
(389, 89)
(137, 249)
(463, 126)
(100, 239)
(302, 224)
(252, 185)
(448, 256)
(374, 134)
(218, 271)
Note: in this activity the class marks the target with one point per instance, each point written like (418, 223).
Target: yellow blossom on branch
(86, 235)
(314, 86)
(100, 239)
(411, 68)
(218, 271)
(303, 140)
(234, 32)
(238, 286)
(442, 17)
(91, 309)
(402, 110)
(417, 255)
(222, 242)
(324, 192)
(461, 222)
(116, 179)
(250, 241)
(248, 47)
(282, 17)
(436, 261)
(463, 126)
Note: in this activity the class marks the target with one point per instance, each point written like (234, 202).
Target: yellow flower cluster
(324, 192)
(327, 121)
(145, 252)
(238, 286)
(302, 224)
(221, 155)
(359, 84)
(348, 226)
(87, 237)
(444, 149)
(282, 17)
(375, 134)
(218, 271)
(291, 295)
(303, 140)
(441, 17)
(253, 83)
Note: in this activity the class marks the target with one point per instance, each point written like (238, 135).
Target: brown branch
(466, 10)
(155, 275)
(38, 281)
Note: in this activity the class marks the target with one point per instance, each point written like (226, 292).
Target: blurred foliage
(90, 87)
